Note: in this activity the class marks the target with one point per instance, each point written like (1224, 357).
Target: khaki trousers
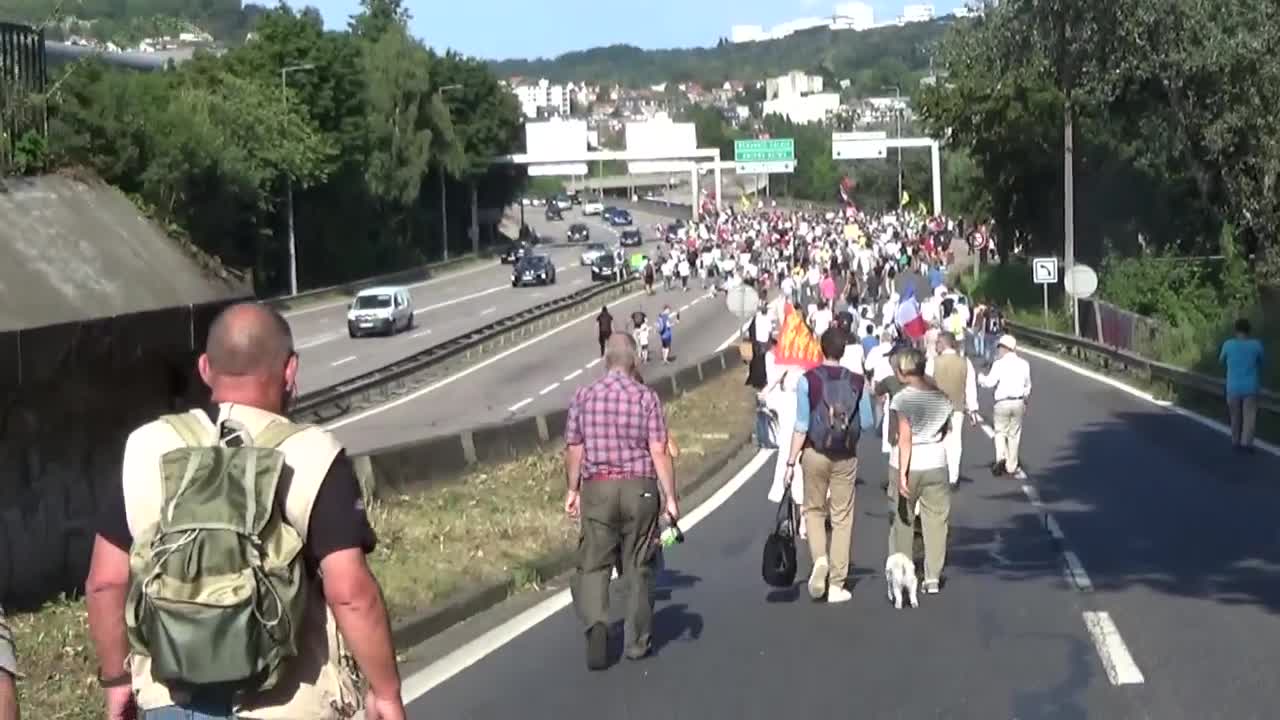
(618, 517)
(1243, 410)
(953, 444)
(822, 475)
(1007, 421)
(933, 489)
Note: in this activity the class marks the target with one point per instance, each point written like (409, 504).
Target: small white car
(381, 310)
(592, 207)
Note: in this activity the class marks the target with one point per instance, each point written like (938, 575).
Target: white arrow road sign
(1044, 271)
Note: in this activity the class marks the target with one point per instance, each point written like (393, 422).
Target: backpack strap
(276, 433)
(193, 432)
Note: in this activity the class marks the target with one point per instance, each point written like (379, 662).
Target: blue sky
(496, 29)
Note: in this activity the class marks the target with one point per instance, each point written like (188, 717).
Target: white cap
(1008, 341)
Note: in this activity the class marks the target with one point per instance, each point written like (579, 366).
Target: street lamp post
(293, 243)
(897, 112)
(444, 197)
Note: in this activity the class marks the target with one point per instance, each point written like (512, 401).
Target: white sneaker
(818, 578)
(838, 595)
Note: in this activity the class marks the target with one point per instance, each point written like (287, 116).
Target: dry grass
(496, 524)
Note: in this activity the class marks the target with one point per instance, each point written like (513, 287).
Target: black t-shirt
(606, 324)
(338, 517)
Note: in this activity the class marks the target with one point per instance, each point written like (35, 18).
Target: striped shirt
(8, 660)
(928, 412)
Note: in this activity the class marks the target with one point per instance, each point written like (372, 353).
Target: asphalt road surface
(447, 306)
(1151, 591)
(541, 374)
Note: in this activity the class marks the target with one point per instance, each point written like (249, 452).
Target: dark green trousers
(619, 518)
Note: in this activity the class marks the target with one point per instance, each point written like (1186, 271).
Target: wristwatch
(124, 678)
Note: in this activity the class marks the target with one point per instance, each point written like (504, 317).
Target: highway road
(1137, 575)
(541, 374)
(445, 307)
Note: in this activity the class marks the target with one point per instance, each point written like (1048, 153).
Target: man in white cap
(1010, 376)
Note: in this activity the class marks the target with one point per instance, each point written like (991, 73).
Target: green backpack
(217, 591)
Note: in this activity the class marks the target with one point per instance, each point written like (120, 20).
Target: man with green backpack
(228, 577)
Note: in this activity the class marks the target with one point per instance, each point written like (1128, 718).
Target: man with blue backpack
(666, 319)
(827, 430)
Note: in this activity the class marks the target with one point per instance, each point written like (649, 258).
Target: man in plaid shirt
(616, 459)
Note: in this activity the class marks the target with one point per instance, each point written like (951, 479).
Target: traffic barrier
(441, 459)
(409, 374)
(408, 276)
(1113, 359)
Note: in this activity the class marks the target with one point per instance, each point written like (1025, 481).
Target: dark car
(673, 230)
(512, 253)
(617, 216)
(631, 238)
(554, 212)
(533, 270)
(579, 232)
(605, 268)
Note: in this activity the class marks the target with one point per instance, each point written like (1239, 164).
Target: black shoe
(597, 647)
(997, 468)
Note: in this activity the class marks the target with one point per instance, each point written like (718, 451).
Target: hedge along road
(446, 307)
(538, 375)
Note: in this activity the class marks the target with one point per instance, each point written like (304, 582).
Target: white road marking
(732, 339)
(1076, 573)
(424, 333)
(1210, 423)
(318, 340)
(549, 388)
(572, 375)
(1116, 660)
(1032, 494)
(1055, 530)
(486, 311)
(457, 300)
(464, 373)
(423, 681)
(520, 404)
(343, 361)
(593, 363)
(424, 283)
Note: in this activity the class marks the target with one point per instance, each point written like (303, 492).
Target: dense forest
(372, 123)
(128, 21)
(870, 59)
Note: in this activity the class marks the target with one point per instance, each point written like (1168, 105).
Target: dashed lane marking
(1116, 660)
(486, 311)
(593, 363)
(1076, 573)
(549, 388)
(416, 335)
(520, 404)
(343, 361)
(572, 375)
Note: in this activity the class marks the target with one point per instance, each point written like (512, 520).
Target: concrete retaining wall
(441, 459)
(69, 395)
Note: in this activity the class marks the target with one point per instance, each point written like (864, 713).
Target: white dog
(900, 575)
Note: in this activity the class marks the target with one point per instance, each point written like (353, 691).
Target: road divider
(439, 459)
(334, 294)
(409, 374)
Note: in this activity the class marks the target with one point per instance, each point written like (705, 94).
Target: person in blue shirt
(666, 332)
(1242, 355)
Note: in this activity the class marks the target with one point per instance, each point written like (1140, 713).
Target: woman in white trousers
(780, 397)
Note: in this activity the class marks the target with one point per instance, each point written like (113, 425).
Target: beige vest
(317, 683)
(950, 372)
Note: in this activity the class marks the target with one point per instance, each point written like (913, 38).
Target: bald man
(620, 480)
(251, 369)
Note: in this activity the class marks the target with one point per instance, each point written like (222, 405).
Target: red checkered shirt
(615, 418)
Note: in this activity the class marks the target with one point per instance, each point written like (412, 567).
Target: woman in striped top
(918, 469)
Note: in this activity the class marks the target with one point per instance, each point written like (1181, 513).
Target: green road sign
(776, 150)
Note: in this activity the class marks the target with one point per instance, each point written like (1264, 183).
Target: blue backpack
(834, 419)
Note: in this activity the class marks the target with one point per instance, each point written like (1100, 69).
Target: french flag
(908, 316)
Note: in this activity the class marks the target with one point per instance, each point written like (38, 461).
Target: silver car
(593, 252)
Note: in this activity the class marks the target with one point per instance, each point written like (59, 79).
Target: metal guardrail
(1145, 368)
(399, 277)
(408, 374)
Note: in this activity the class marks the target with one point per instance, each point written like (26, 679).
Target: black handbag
(778, 564)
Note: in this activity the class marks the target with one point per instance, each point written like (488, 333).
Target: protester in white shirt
(1010, 376)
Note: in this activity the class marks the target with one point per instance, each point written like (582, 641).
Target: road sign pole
(1045, 287)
